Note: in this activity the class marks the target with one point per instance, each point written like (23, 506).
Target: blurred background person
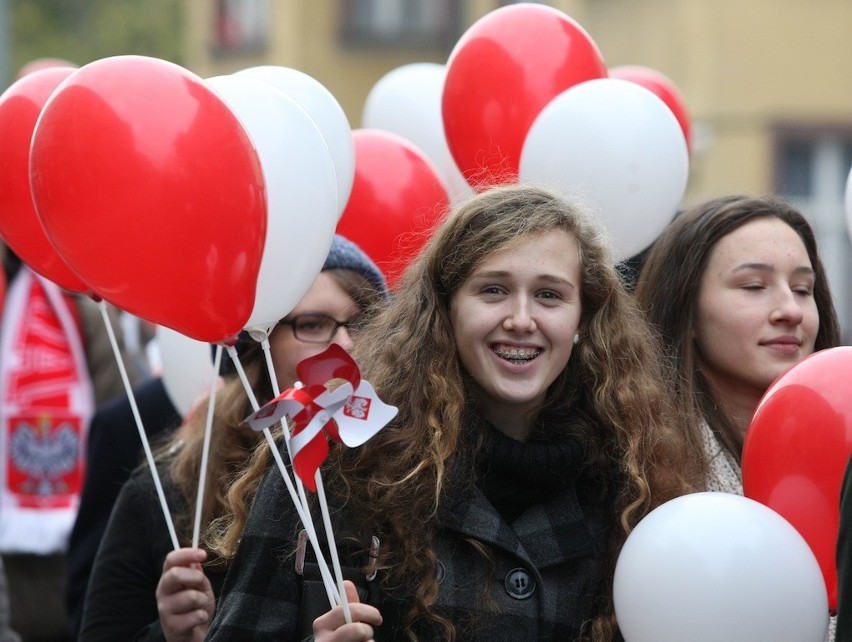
(56, 366)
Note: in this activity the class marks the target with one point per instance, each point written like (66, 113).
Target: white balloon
(407, 101)
(716, 567)
(326, 112)
(187, 367)
(301, 193)
(619, 148)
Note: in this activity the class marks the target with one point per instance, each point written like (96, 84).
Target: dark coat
(114, 449)
(548, 569)
(121, 601)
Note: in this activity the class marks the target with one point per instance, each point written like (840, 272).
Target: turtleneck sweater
(514, 475)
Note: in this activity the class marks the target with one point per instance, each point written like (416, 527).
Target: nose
(519, 317)
(344, 339)
(788, 310)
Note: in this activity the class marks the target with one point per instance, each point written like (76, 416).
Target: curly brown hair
(394, 484)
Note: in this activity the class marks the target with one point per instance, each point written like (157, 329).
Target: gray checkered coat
(547, 569)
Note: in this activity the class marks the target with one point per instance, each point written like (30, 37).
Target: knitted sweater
(724, 474)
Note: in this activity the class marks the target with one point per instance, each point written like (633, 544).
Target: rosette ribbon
(333, 403)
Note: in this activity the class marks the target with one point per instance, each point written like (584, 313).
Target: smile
(518, 355)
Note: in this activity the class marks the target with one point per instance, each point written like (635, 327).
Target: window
(797, 159)
(812, 166)
(408, 23)
(241, 25)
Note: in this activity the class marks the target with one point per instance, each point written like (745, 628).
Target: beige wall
(304, 35)
(743, 66)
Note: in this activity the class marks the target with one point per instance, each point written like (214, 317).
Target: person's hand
(185, 597)
(332, 626)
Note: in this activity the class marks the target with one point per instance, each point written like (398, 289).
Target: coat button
(519, 584)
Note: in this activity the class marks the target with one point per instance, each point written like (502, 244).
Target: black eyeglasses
(319, 328)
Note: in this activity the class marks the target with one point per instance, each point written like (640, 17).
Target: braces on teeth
(514, 353)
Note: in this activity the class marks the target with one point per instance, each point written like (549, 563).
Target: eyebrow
(494, 274)
(766, 267)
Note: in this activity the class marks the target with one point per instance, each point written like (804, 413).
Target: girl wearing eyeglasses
(135, 593)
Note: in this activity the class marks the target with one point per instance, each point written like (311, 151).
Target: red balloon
(502, 72)
(663, 87)
(797, 447)
(151, 190)
(397, 198)
(43, 63)
(20, 106)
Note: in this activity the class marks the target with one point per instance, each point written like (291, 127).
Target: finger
(183, 602)
(335, 619)
(184, 557)
(175, 625)
(355, 632)
(351, 592)
(180, 578)
(365, 613)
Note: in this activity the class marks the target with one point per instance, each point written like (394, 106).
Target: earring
(576, 339)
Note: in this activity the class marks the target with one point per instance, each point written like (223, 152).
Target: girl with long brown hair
(534, 431)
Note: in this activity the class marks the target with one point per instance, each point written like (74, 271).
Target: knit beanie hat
(345, 255)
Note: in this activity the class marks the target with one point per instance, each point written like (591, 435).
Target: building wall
(305, 36)
(743, 67)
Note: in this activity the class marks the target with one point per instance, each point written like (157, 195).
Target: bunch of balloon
(20, 106)
(500, 75)
(717, 567)
(797, 447)
(619, 148)
(397, 199)
(663, 86)
(150, 189)
(407, 101)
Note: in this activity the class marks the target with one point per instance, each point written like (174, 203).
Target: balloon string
(149, 456)
(332, 545)
(205, 449)
(328, 582)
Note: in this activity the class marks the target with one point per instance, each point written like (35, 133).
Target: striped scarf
(46, 402)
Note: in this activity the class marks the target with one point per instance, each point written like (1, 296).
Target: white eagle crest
(44, 456)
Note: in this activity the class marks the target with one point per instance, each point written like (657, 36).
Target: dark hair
(669, 287)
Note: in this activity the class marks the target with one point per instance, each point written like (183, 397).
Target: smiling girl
(534, 431)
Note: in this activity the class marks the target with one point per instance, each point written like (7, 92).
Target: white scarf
(724, 474)
(46, 402)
